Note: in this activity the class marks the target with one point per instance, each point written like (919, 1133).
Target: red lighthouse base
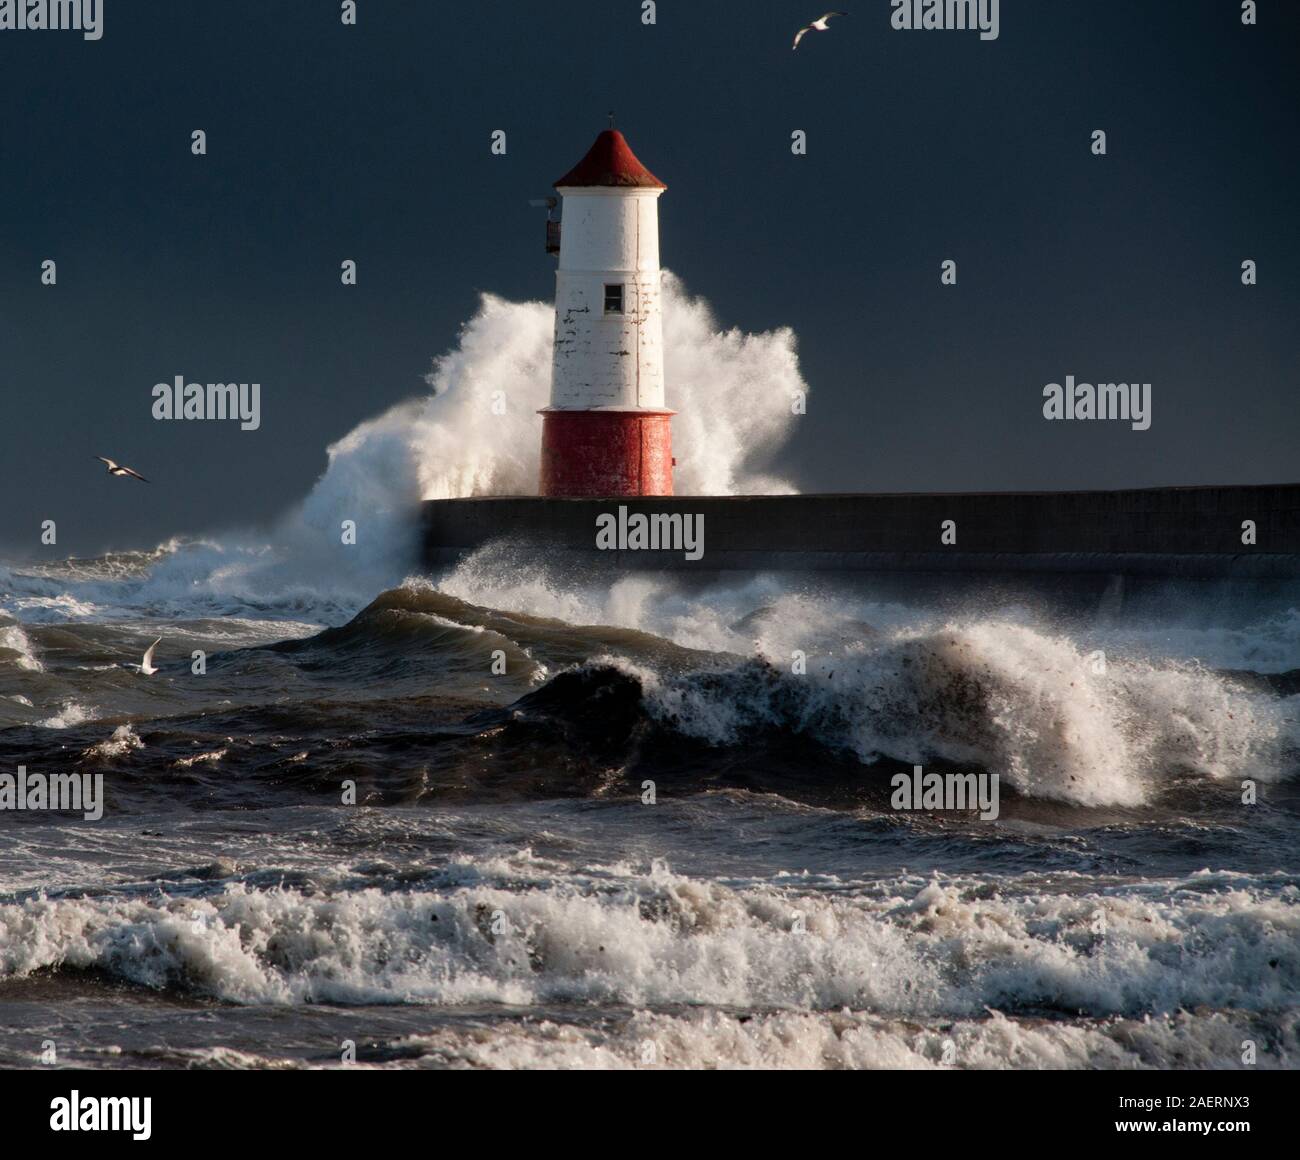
(607, 452)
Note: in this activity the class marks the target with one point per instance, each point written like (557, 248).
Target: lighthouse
(607, 431)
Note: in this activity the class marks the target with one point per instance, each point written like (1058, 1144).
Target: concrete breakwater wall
(1191, 531)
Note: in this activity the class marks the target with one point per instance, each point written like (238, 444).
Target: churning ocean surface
(501, 894)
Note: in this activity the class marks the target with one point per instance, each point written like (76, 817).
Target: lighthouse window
(614, 299)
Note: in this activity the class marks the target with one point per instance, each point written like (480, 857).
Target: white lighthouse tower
(607, 431)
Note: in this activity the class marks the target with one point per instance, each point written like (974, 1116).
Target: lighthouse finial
(611, 118)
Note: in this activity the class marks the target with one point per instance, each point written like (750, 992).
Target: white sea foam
(123, 741)
(19, 646)
(208, 757)
(851, 1040)
(1001, 697)
(1001, 690)
(805, 1041)
(72, 713)
(502, 931)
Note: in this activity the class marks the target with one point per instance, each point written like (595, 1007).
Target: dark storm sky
(372, 142)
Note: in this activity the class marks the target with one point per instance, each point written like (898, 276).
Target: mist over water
(1126, 909)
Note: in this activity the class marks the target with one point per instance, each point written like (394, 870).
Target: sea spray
(996, 697)
(995, 690)
(476, 433)
(734, 394)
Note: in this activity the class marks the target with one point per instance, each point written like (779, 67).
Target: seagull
(113, 469)
(819, 24)
(147, 667)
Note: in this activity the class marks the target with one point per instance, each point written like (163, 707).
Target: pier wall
(1194, 531)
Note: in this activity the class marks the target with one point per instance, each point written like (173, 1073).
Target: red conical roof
(610, 161)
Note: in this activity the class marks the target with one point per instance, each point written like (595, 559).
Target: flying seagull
(819, 24)
(113, 469)
(147, 667)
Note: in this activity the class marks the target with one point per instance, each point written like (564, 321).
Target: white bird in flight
(147, 667)
(819, 24)
(114, 469)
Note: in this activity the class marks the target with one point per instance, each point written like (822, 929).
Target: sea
(499, 819)
(517, 815)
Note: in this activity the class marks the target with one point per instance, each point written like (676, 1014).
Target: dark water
(503, 819)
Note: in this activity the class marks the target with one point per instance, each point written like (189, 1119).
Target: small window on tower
(614, 299)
